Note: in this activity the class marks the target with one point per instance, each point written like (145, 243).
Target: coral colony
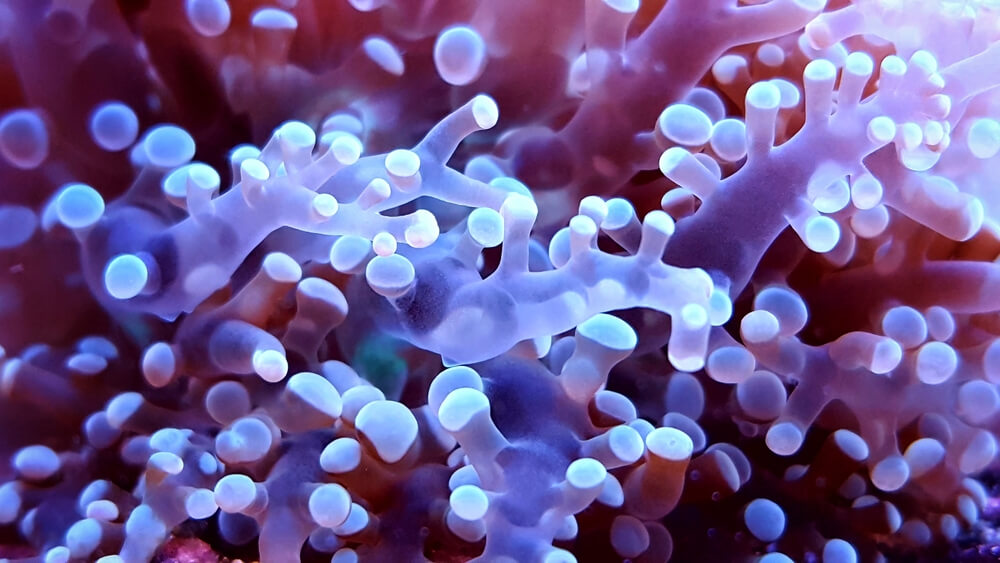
(499, 280)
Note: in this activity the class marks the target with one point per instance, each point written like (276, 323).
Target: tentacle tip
(270, 365)
(485, 111)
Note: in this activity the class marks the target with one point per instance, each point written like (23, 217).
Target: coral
(450, 280)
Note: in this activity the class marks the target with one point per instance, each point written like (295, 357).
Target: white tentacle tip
(485, 111)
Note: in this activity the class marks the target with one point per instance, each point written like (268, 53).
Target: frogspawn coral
(447, 280)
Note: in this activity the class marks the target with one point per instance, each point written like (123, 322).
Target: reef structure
(501, 281)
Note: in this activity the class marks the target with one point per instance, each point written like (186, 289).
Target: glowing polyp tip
(671, 159)
(167, 462)
(60, 553)
(893, 65)
(203, 177)
(296, 134)
(936, 363)
(103, 509)
(175, 183)
(763, 95)
(402, 163)
(586, 473)
(114, 126)
(519, 208)
(210, 18)
(811, 5)
(122, 407)
(36, 462)
(975, 213)
(325, 205)
(693, 316)
(450, 379)
(485, 227)
(984, 138)
(270, 365)
(881, 130)
(728, 68)
(235, 492)
(595, 208)
(469, 502)
(159, 364)
(282, 268)
(346, 149)
(583, 226)
(242, 153)
(851, 444)
(349, 252)
(886, 356)
(460, 406)
(784, 438)
(925, 60)
(377, 191)
(623, 6)
(24, 139)
(626, 443)
(820, 70)
(384, 244)
(167, 146)
(485, 111)
(341, 455)
(866, 192)
(685, 124)
(330, 505)
(558, 555)
(366, 5)
(688, 363)
(619, 214)
(82, 538)
(822, 234)
(839, 551)
(720, 307)
(890, 474)
(317, 392)
(659, 222)
(274, 19)
(79, 206)
(424, 231)
(390, 276)
(459, 55)
(247, 439)
(765, 519)
(610, 331)
(819, 34)
(200, 504)
(859, 63)
(384, 54)
(669, 443)
(125, 276)
(254, 170)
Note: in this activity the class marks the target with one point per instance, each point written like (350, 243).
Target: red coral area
(188, 550)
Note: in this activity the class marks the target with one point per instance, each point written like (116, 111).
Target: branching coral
(402, 280)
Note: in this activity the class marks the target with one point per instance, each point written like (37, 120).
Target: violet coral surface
(499, 280)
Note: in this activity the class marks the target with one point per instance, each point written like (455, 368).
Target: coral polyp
(451, 280)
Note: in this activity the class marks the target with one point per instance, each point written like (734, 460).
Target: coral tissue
(498, 280)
